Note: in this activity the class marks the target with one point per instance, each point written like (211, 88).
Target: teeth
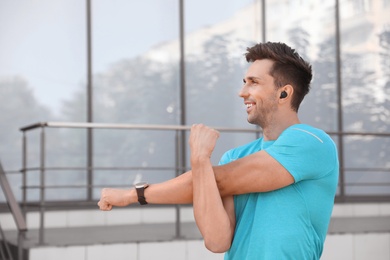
(249, 105)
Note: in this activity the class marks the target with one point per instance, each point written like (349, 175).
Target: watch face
(141, 185)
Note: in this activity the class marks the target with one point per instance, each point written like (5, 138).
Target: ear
(285, 93)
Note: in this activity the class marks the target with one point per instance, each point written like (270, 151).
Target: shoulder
(302, 135)
(306, 152)
(307, 132)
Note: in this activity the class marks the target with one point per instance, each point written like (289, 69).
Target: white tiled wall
(374, 246)
(112, 252)
(59, 253)
(120, 216)
(361, 210)
(174, 250)
(337, 247)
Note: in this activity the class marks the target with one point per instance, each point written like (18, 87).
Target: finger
(104, 206)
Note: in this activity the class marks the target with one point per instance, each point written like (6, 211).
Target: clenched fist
(202, 141)
(114, 197)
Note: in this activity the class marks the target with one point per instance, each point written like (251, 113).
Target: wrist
(201, 159)
(132, 196)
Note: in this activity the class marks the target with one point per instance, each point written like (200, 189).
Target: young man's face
(259, 93)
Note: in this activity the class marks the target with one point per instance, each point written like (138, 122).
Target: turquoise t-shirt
(292, 222)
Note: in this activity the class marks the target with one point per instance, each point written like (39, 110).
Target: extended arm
(258, 172)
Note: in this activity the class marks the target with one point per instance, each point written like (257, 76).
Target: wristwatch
(140, 188)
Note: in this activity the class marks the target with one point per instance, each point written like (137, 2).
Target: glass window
(309, 27)
(136, 81)
(42, 69)
(365, 55)
(367, 171)
(215, 63)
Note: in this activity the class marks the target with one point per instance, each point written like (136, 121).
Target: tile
(196, 250)
(366, 209)
(79, 218)
(58, 253)
(372, 246)
(7, 222)
(162, 251)
(342, 210)
(187, 214)
(33, 220)
(123, 216)
(384, 209)
(115, 252)
(55, 219)
(158, 215)
(338, 247)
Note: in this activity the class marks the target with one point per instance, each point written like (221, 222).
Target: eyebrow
(251, 78)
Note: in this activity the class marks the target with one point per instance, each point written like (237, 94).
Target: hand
(202, 141)
(114, 197)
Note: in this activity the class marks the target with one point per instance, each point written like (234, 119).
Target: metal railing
(342, 195)
(178, 167)
(43, 169)
(17, 215)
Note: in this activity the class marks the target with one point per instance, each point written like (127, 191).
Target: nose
(243, 91)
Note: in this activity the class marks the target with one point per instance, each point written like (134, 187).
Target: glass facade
(310, 28)
(179, 62)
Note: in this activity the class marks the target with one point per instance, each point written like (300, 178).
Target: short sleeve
(306, 152)
(226, 158)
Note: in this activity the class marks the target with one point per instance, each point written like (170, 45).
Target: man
(271, 198)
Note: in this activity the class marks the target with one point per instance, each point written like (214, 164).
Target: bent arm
(215, 222)
(214, 217)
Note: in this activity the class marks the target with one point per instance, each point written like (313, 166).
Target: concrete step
(107, 234)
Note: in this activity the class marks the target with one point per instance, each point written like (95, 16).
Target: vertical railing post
(177, 173)
(21, 238)
(24, 175)
(340, 120)
(263, 21)
(42, 188)
(89, 103)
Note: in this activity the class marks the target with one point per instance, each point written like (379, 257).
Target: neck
(275, 128)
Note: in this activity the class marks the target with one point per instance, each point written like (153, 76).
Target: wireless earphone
(283, 94)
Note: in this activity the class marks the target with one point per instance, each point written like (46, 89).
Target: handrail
(167, 127)
(15, 210)
(127, 126)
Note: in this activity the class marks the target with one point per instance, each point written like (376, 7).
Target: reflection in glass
(215, 64)
(136, 67)
(365, 51)
(309, 27)
(42, 72)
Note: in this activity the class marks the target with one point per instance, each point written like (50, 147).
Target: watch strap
(141, 194)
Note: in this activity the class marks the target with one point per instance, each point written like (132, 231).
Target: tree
(18, 108)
